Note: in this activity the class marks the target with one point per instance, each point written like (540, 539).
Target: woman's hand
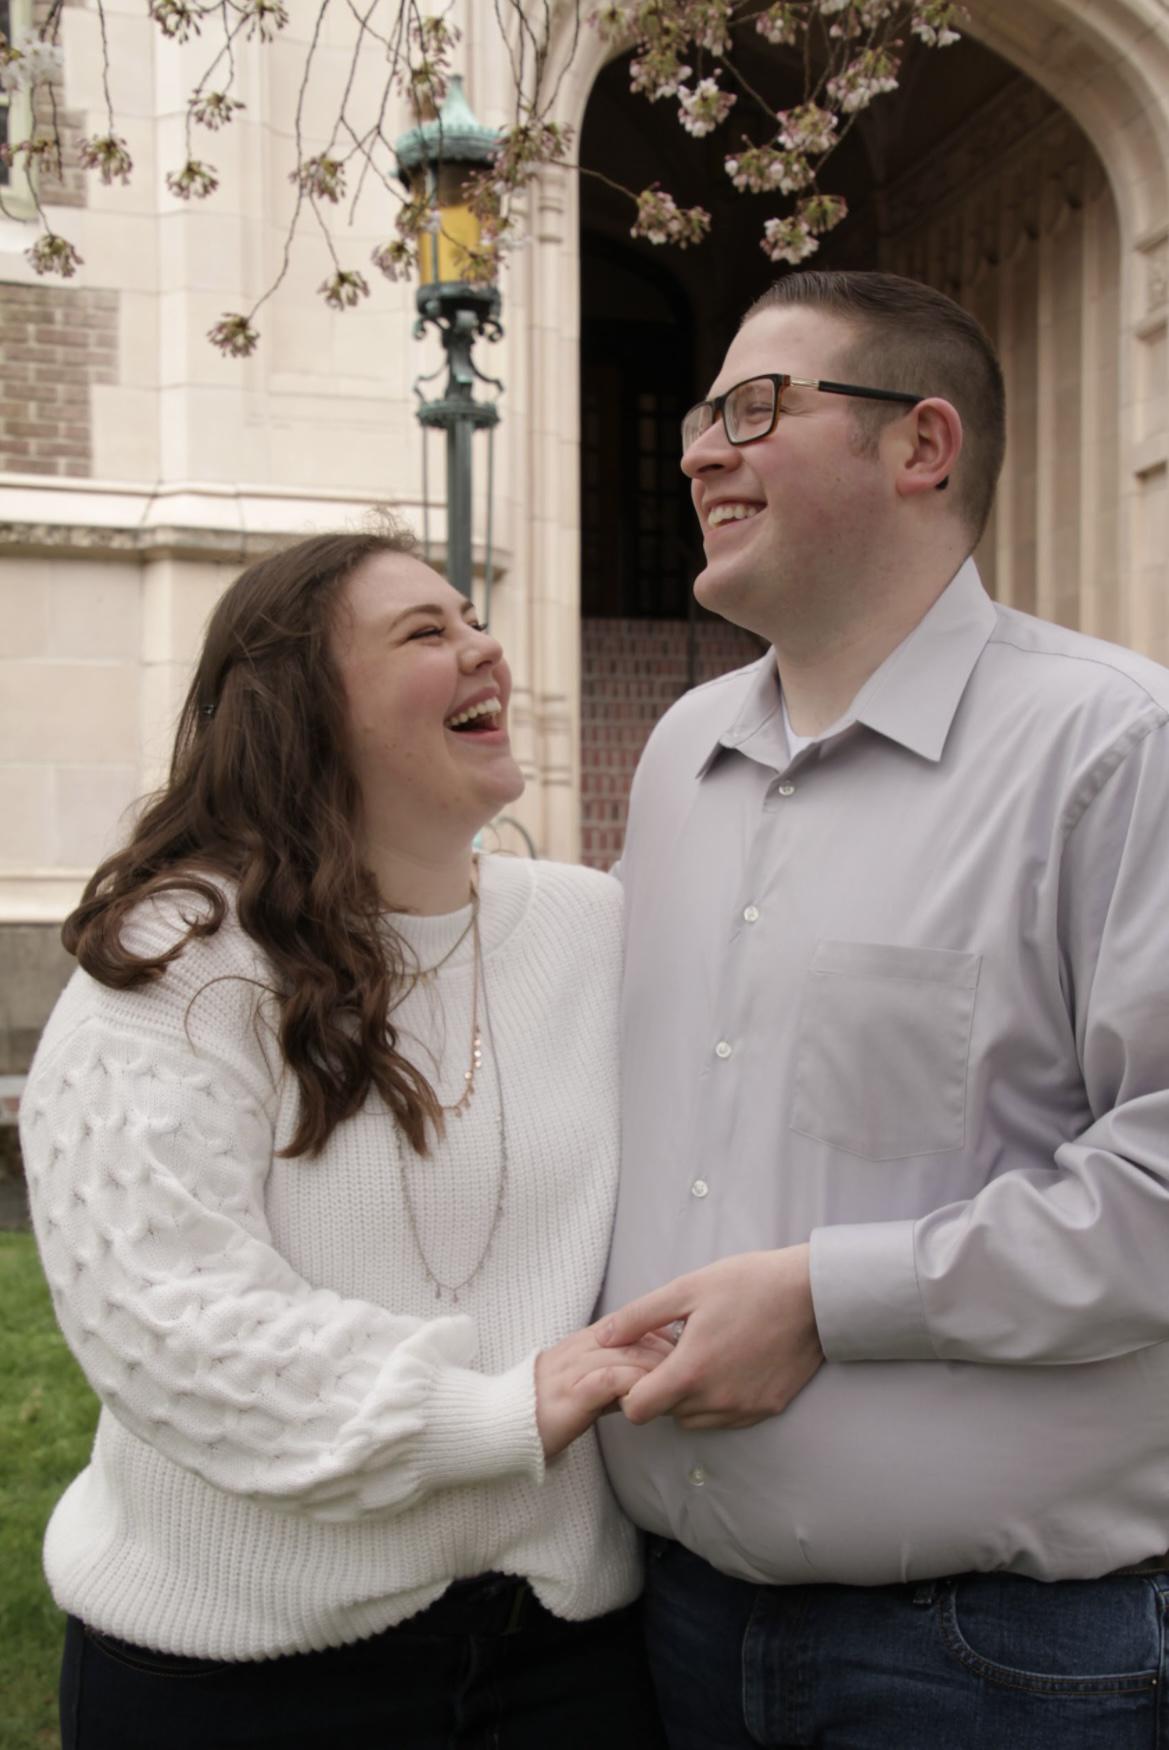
(578, 1379)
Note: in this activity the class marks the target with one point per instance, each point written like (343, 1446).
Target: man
(896, 1139)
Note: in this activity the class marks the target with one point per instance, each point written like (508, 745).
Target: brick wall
(631, 672)
(54, 343)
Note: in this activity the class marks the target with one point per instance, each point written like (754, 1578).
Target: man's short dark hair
(908, 336)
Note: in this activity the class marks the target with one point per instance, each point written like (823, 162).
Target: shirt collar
(757, 710)
(914, 695)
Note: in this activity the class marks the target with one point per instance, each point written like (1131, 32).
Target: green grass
(45, 1434)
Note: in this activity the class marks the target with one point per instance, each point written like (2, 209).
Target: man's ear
(929, 442)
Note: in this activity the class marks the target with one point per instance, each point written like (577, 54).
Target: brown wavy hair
(261, 791)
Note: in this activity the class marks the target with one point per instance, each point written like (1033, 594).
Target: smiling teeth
(731, 513)
(485, 708)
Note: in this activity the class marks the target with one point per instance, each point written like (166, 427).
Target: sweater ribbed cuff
(481, 1426)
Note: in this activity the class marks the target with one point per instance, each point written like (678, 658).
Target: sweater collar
(505, 885)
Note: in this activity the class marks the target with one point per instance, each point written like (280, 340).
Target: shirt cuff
(865, 1293)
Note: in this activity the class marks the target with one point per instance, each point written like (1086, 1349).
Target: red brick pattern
(54, 342)
(631, 673)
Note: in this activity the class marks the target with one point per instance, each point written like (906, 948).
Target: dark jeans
(486, 1668)
(979, 1662)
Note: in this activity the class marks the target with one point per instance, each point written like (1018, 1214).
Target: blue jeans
(978, 1662)
(486, 1668)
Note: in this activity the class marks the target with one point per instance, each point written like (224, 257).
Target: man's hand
(748, 1345)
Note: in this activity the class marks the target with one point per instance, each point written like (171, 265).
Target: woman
(321, 1147)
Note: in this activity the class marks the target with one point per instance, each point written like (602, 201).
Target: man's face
(794, 515)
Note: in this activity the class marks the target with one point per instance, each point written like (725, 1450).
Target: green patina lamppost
(434, 160)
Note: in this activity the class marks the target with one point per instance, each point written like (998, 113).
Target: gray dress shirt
(908, 994)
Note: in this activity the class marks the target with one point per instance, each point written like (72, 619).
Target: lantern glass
(442, 254)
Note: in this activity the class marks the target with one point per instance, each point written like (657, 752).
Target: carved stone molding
(1156, 253)
(1021, 154)
(995, 197)
(225, 546)
(85, 541)
(1008, 122)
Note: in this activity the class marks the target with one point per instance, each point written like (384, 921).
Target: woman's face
(427, 691)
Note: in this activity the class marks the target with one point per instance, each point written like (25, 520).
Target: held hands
(748, 1346)
(580, 1378)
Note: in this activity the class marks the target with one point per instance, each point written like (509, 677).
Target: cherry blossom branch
(849, 53)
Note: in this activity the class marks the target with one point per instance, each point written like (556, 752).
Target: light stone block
(131, 37)
(163, 687)
(138, 342)
(92, 812)
(94, 610)
(299, 335)
(202, 248)
(24, 608)
(54, 712)
(227, 437)
(120, 248)
(354, 454)
(367, 344)
(178, 596)
(124, 432)
(26, 831)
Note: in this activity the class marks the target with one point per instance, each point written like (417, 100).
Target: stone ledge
(71, 540)
(234, 546)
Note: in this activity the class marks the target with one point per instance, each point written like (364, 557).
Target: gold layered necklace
(460, 1106)
(427, 974)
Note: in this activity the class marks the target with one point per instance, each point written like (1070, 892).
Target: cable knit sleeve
(146, 1166)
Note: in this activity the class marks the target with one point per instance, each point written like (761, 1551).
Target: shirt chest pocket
(883, 1050)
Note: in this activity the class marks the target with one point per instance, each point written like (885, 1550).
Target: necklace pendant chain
(462, 1105)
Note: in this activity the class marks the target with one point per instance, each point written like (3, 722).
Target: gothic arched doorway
(969, 177)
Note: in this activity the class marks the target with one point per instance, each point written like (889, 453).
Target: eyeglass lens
(748, 412)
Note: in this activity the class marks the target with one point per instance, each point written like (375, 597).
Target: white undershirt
(795, 743)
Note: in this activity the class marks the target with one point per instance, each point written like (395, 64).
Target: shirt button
(697, 1476)
(787, 789)
(722, 1049)
(751, 914)
(700, 1188)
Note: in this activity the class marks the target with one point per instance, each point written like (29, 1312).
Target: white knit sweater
(299, 1445)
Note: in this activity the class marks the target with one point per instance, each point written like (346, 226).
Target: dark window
(5, 97)
(638, 537)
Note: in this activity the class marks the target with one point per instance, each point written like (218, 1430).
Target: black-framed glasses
(750, 410)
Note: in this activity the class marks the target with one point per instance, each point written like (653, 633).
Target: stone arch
(1105, 61)
(1107, 64)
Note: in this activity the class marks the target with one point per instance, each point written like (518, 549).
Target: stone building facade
(1025, 171)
